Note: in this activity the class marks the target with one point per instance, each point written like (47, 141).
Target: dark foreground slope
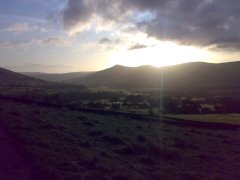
(65, 144)
(12, 163)
(189, 75)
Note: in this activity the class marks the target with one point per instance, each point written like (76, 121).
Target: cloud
(202, 23)
(18, 27)
(59, 41)
(205, 23)
(81, 15)
(105, 41)
(76, 15)
(5, 45)
(50, 41)
(137, 46)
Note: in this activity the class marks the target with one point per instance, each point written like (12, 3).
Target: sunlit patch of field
(214, 118)
(64, 144)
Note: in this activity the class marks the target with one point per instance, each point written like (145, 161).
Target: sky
(57, 36)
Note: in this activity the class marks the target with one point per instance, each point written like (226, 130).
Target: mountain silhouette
(64, 77)
(8, 77)
(188, 75)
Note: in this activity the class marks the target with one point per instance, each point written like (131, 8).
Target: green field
(64, 144)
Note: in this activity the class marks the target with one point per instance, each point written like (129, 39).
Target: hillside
(8, 77)
(65, 77)
(189, 75)
(67, 144)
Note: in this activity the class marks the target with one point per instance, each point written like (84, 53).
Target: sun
(159, 54)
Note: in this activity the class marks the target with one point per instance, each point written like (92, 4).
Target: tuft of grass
(89, 124)
(95, 133)
(16, 113)
(179, 143)
(113, 140)
(85, 144)
(146, 160)
(141, 138)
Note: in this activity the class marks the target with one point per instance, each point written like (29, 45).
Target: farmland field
(213, 118)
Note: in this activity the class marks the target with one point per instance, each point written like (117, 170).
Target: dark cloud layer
(75, 12)
(105, 41)
(137, 46)
(203, 23)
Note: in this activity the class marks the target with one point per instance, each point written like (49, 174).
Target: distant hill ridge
(64, 77)
(182, 76)
(8, 77)
(188, 75)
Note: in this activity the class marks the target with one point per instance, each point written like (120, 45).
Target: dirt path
(12, 164)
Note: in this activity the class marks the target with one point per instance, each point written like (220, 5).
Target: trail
(12, 164)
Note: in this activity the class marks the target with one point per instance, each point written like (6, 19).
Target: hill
(8, 77)
(65, 77)
(188, 75)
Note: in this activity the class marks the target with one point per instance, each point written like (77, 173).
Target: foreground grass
(65, 144)
(214, 118)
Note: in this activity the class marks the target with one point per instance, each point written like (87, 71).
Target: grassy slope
(73, 145)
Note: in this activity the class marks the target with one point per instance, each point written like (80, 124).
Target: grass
(65, 144)
(214, 118)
